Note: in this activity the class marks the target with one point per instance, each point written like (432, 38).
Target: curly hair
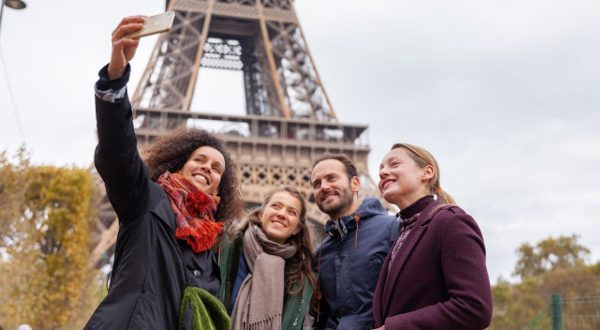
(300, 265)
(170, 152)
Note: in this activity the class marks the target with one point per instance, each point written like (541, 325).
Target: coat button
(197, 273)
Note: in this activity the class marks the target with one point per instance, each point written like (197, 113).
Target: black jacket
(151, 267)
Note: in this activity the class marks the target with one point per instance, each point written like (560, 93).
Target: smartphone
(154, 24)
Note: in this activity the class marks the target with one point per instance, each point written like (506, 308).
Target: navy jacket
(438, 279)
(151, 267)
(348, 263)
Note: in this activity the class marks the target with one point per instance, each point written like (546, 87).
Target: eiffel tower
(289, 118)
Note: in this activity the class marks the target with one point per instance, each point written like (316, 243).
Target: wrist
(114, 73)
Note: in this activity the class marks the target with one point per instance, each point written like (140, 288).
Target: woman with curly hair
(171, 208)
(266, 275)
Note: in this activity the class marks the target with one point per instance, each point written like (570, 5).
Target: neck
(405, 201)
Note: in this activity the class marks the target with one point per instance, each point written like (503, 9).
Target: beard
(337, 208)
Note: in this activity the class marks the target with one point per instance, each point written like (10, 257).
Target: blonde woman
(434, 277)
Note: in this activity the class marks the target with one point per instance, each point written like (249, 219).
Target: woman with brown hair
(266, 275)
(434, 277)
(171, 207)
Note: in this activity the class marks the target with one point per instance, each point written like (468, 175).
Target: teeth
(277, 223)
(201, 178)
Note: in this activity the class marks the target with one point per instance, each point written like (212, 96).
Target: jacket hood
(368, 208)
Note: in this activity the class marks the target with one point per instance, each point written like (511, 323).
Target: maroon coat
(438, 279)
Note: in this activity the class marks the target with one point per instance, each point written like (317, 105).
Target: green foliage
(47, 217)
(550, 254)
(551, 266)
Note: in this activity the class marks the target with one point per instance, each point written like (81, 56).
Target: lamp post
(14, 4)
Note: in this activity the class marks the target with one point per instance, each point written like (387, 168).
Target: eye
(316, 184)
(293, 213)
(276, 206)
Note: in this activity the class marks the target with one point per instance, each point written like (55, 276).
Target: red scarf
(193, 212)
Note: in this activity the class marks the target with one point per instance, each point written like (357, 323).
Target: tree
(550, 254)
(44, 264)
(12, 193)
(552, 266)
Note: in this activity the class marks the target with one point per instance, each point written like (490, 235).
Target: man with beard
(358, 237)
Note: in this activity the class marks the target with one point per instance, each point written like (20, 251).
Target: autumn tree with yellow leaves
(46, 219)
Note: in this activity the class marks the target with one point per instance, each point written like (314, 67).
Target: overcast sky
(504, 93)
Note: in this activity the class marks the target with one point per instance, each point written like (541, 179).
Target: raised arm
(123, 49)
(116, 158)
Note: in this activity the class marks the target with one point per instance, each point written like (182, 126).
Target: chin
(389, 197)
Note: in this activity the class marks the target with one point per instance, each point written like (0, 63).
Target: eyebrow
(392, 158)
(206, 156)
(292, 208)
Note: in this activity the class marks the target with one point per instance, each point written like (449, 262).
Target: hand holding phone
(154, 24)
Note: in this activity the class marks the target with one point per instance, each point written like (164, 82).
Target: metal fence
(574, 313)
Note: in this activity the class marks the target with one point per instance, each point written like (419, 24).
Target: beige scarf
(259, 303)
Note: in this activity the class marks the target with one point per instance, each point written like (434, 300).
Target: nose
(204, 167)
(383, 173)
(280, 214)
(325, 186)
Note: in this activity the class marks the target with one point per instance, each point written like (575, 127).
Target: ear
(355, 184)
(428, 173)
(259, 214)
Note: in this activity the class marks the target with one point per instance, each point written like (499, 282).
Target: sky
(503, 93)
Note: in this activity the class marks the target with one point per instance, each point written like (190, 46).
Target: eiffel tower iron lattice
(289, 119)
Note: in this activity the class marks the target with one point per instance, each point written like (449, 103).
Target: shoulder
(448, 213)
(372, 209)
(452, 219)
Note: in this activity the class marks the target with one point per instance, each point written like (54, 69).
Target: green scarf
(208, 313)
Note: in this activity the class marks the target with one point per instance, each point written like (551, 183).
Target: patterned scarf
(406, 225)
(193, 212)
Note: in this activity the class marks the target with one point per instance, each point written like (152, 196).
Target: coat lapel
(380, 290)
(404, 253)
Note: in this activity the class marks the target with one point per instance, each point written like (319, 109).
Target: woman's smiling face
(402, 181)
(280, 218)
(204, 169)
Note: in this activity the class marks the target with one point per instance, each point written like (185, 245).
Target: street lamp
(14, 4)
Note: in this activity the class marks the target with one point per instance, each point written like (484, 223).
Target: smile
(386, 183)
(201, 178)
(326, 196)
(278, 222)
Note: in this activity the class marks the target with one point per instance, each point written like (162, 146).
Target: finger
(129, 20)
(126, 29)
(122, 43)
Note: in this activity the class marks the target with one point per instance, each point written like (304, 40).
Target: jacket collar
(346, 224)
